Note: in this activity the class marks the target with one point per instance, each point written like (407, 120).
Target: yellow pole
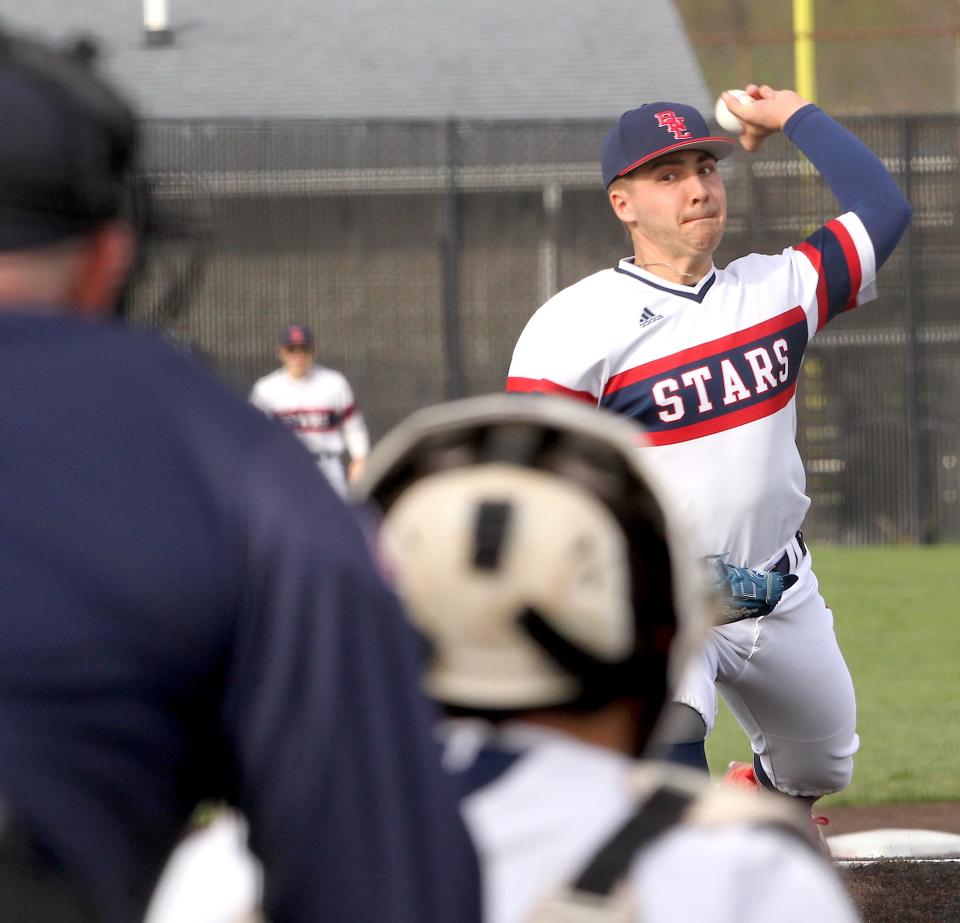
(804, 50)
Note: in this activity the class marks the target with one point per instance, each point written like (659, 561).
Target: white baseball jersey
(211, 877)
(539, 821)
(710, 371)
(320, 409)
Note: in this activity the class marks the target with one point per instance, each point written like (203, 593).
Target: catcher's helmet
(532, 550)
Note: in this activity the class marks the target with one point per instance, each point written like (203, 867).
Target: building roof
(386, 59)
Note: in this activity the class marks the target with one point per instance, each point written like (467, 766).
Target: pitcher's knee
(810, 771)
(833, 776)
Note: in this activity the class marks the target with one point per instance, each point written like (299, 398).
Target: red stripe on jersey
(816, 259)
(349, 412)
(852, 259)
(545, 386)
(723, 422)
(291, 411)
(704, 350)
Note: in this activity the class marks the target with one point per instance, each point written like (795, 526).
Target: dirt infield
(902, 891)
(940, 815)
(905, 891)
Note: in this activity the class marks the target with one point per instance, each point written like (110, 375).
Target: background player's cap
(652, 130)
(296, 335)
(67, 145)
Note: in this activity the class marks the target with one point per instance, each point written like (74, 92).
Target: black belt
(782, 566)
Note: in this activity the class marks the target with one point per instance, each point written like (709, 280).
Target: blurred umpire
(186, 610)
(534, 553)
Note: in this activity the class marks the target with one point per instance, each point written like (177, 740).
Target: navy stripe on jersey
(715, 386)
(313, 419)
(693, 296)
(834, 256)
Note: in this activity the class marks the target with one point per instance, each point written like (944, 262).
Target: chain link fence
(417, 251)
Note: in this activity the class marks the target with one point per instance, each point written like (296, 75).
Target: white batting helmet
(531, 549)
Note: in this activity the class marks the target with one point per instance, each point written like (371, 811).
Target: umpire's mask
(533, 552)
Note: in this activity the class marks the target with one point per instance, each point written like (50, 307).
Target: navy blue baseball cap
(652, 130)
(296, 335)
(67, 145)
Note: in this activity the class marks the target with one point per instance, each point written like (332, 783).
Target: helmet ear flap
(600, 681)
(533, 550)
(471, 548)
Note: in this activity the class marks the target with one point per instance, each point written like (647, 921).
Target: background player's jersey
(556, 800)
(710, 371)
(319, 408)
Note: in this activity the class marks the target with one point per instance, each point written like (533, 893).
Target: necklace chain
(688, 275)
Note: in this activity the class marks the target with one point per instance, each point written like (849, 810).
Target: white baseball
(725, 117)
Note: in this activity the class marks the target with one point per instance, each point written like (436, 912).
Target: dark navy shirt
(188, 612)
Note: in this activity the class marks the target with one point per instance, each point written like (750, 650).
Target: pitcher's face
(675, 209)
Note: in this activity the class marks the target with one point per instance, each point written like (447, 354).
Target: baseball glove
(747, 593)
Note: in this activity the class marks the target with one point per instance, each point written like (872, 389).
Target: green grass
(897, 616)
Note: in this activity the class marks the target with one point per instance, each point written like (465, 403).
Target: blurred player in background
(317, 404)
(174, 625)
(537, 558)
(707, 360)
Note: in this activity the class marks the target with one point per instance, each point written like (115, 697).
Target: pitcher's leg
(794, 696)
(688, 718)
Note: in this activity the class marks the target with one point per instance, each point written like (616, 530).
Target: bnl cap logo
(297, 335)
(673, 123)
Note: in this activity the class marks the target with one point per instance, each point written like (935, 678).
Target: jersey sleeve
(844, 255)
(338, 772)
(355, 434)
(352, 425)
(785, 880)
(258, 399)
(551, 357)
(835, 270)
(797, 886)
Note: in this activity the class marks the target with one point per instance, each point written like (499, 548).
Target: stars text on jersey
(311, 419)
(713, 386)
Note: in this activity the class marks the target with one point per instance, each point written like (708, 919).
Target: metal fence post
(450, 265)
(552, 197)
(916, 441)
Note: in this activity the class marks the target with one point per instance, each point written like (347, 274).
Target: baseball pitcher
(707, 360)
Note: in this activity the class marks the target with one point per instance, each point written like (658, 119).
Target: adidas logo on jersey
(648, 318)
